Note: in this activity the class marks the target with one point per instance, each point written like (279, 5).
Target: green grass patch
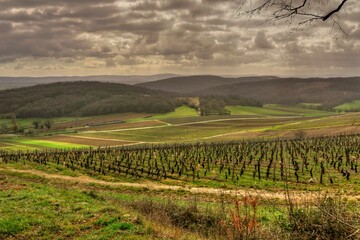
(350, 106)
(299, 111)
(180, 112)
(20, 143)
(248, 110)
(310, 105)
(11, 225)
(42, 210)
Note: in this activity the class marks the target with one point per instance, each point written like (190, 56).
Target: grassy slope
(331, 125)
(247, 110)
(50, 211)
(20, 143)
(56, 209)
(191, 132)
(275, 110)
(332, 121)
(299, 111)
(35, 207)
(180, 112)
(354, 105)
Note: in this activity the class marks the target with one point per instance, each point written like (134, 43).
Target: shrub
(329, 218)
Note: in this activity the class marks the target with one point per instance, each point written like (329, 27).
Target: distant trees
(48, 124)
(11, 126)
(36, 124)
(15, 126)
(4, 128)
(210, 105)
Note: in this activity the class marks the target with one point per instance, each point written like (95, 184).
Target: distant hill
(18, 82)
(194, 84)
(329, 91)
(83, 99)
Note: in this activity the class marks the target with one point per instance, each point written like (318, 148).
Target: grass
(351, 106)
(299, 111)
(247, 110)
(51, 211)
(195, 129)
(21, 143)
(275, 110)
(184, 125)
(189, 120)
(191, 132)
(37, 208)
(332, 121)
(180, 112)
(314, 105)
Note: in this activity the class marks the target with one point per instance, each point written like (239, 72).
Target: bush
(189, 218)
(330, 218)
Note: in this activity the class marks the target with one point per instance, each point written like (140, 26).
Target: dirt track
(296, 196)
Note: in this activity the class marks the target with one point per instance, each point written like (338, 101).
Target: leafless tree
(304, 11)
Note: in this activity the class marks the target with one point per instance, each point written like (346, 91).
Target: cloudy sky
(102, 37)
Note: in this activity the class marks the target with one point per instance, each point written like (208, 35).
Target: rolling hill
(18, 82)
(328, 91)
(195, 84)
(83, 99)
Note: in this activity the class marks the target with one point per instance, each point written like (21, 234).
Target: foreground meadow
(260, 173)
(305, 188)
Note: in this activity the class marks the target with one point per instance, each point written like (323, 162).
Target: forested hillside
(196, 84)
(328, 91)
(83, 99)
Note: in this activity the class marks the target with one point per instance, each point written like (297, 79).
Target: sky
(188, 37)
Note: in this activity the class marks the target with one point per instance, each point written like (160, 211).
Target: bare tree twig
(286, 9)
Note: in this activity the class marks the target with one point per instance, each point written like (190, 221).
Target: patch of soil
(6, 186)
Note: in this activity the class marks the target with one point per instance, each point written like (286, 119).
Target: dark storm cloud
(11, 4)
(261, 41)
(58, 28)
(158, 32)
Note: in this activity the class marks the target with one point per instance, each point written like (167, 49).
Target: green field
(247, 110)
(182, 125)
(197, 131)
(310, 105)
(347, 107)
(299, 111)
(275, 110)
(180, 112)
(68, 199)
(198, 191)
(20, 143)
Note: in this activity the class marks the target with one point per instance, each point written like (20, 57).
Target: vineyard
(321, 160)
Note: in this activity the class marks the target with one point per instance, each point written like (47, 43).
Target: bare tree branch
(325, 17)
(288, 9)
